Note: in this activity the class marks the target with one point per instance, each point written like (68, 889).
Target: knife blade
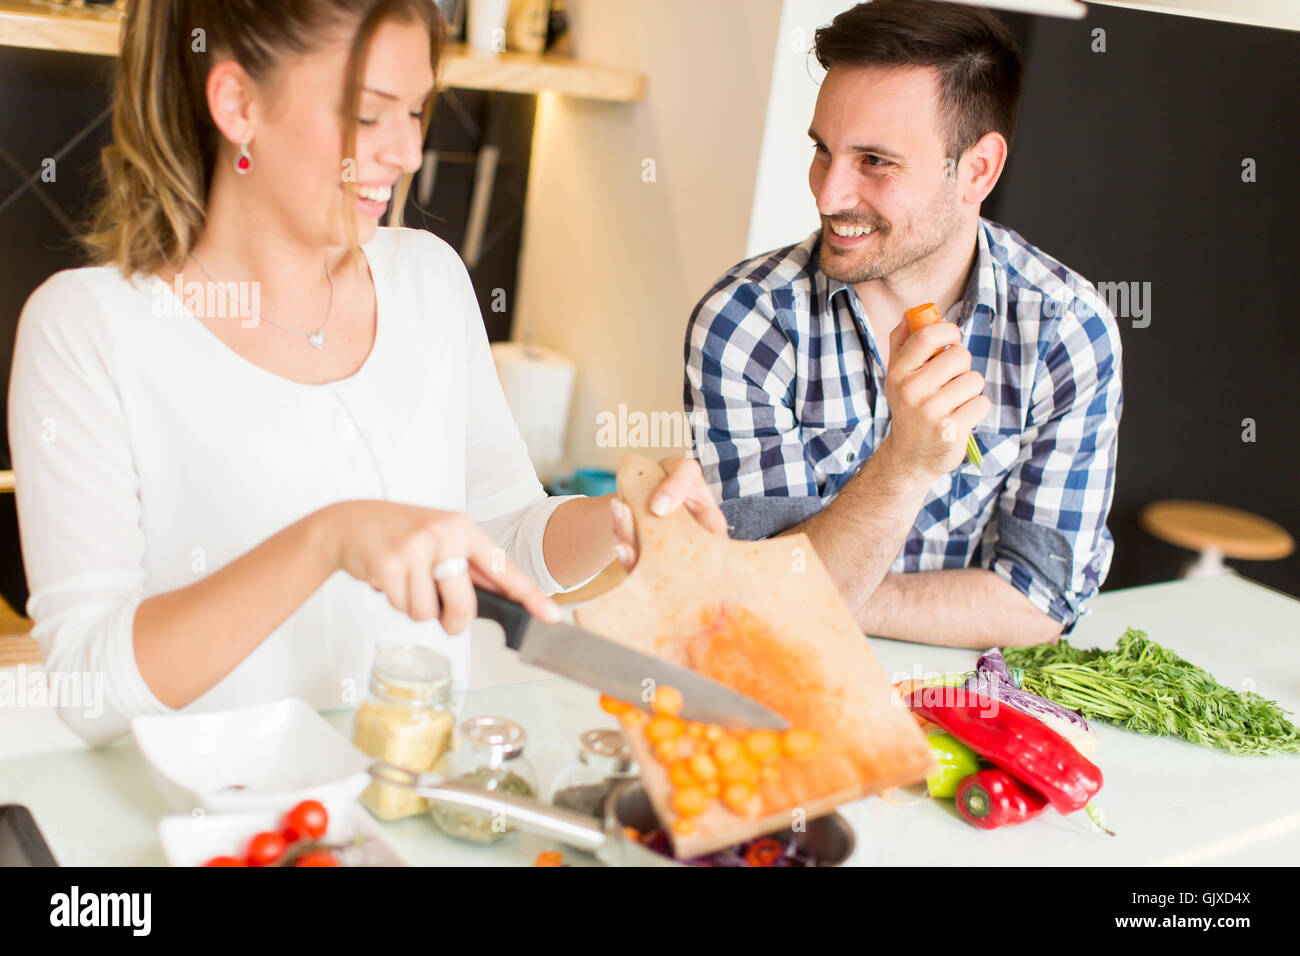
(617, 670)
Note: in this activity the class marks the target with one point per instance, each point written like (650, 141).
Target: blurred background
(605, 168)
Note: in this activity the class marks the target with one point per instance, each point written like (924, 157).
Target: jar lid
(501, 736)
(411, 673)
(606, 751)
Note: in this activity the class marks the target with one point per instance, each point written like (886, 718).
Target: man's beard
(938, 225)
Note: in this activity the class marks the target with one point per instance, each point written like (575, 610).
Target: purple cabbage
(992, 678)
(657, 840)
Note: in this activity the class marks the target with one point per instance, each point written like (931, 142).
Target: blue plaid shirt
(786, 387)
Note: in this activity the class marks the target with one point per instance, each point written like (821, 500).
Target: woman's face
(300, 172)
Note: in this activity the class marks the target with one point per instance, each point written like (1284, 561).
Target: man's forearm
(960, 607)
(859, 534)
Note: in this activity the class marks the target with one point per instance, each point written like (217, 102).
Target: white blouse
(148, 454)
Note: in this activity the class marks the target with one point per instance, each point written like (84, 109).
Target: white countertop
(1169, 801)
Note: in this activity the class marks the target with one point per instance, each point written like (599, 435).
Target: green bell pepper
(956, 763)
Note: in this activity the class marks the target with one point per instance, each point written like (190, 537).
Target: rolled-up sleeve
(1052, 542)
(78, 506)
(740, 373)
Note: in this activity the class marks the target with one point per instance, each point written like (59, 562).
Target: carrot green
(1145, 688)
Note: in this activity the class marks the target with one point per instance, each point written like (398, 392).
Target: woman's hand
(685, 485)
(427, 562)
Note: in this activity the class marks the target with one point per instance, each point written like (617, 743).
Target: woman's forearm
(579, 540)
(187, 640)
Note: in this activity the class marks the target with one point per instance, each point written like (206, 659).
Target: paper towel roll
(538, 383)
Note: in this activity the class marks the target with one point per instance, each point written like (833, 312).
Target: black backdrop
(1127, 167)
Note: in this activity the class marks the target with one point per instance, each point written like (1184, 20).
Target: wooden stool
(1216, 532)
(16, 647)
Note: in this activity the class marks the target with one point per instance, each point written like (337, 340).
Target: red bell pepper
(993, 798)
(1020, 744)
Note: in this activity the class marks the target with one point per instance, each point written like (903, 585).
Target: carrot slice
(663, 728)
(612, 705)
(683, 826)
(549, 858)
(667, 701)
(726, 750)
(742, 768)
(800, 744)
(763, 744)
(703, 767)
(690, 801)
(679, 774)
(740, 797)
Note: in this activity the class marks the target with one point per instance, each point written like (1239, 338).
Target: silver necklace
(317, 338)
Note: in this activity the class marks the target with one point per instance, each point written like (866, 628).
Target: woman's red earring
(244, 161)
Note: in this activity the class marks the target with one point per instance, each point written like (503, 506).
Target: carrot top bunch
(706, 762)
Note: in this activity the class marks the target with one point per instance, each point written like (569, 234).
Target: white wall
(783, 209)
(611, 266)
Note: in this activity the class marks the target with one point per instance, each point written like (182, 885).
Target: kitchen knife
(619, 671)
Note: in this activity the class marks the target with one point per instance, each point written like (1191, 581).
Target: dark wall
(1128, 167)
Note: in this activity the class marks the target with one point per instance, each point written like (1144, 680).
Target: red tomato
(317, 858)
(307, 821)
(225, 861)
(764, 852)
(265, 848)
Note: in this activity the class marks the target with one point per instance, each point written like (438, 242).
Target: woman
(258, 387)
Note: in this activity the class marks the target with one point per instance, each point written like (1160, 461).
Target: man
(817, 410)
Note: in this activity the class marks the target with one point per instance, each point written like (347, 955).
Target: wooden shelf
(41, 26)
(533, 73)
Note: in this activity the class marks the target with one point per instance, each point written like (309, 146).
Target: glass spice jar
(490, 756)
(406, 721)
(604, 760)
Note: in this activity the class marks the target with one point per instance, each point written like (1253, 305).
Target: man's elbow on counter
(1039, 628)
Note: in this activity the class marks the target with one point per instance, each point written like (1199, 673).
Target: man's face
(878, 172)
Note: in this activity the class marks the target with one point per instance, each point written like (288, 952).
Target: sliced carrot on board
(683, 826)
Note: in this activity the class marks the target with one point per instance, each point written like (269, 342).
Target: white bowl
(267, 757)
(193, 840)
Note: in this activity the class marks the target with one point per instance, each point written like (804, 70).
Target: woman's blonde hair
(158, 168)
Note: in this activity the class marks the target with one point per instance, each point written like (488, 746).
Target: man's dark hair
(975, 54)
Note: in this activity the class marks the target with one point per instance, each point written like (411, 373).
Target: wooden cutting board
(763, 617)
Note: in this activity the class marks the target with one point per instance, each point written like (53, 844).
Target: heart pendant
(317, 340)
